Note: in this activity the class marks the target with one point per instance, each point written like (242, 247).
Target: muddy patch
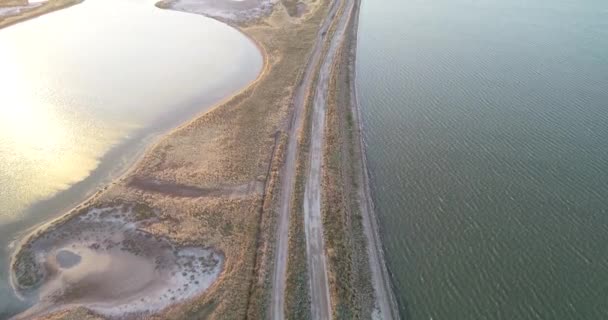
(301, 9)
(186, 191)
(225, 10)
(103, 260)
(67, 259)
(10, 10)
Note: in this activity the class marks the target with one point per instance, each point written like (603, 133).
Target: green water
(486, 124)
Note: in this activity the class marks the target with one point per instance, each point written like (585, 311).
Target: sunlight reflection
(41, 152)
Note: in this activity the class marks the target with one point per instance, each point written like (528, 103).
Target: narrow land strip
(321, 307)
(350, 278)
(289, 171)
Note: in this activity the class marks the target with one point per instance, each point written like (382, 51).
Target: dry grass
(350, 281)
(76, 314)
(348, 273)
(297, 290)
(237, 142)
(261, 286)
(49, 6)
(12, 3)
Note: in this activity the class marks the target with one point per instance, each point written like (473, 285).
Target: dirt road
(313, 220)
(385, 305)
(288, 174)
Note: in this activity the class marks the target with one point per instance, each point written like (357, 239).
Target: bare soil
(242, 11)
(88, 261)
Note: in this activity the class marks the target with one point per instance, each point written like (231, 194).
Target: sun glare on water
(40, 143)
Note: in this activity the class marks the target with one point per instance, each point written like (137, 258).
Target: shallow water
(67, 259)
(89, 260)
(86, 88)
(486, 127)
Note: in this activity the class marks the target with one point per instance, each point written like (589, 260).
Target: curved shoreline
(126, 170)
(222, 148)
(120, 173)
(123, 172)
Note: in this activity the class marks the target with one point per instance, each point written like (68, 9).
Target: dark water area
(486, 124)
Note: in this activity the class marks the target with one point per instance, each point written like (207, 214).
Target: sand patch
(225, 10)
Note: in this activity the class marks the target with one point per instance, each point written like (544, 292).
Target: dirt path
(313, 220)
(279, 277)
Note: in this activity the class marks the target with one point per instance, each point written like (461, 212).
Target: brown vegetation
(260, 286)
(75, 314)
(350, 281)
(297, 290)
(12, 3)
(29, 13)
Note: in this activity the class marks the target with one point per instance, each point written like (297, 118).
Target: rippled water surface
(83, 90)
(487, 131)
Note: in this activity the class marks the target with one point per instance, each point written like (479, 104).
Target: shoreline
(382, 282)
(353, 242)
(356, 285)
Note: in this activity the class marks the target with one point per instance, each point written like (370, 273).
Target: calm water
(83, 90)
(487, 132)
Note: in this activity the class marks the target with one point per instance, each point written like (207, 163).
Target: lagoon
(86, 89)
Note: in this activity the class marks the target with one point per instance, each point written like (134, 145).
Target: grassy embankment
(49, 6)
(12, 3)
(261, 291)
(350, 279)
(297, 291)
(297, 300)
(352, 294)
(230, 145)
